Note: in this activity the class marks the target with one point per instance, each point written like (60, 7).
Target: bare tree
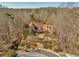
(1, 6)
(69, 4)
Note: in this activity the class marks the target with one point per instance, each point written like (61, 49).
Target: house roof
(38, 24)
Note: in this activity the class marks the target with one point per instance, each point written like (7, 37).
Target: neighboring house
(40, 27)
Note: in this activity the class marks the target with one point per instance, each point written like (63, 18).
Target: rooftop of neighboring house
(39, 25)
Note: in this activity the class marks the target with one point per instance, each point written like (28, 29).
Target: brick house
(40, 27)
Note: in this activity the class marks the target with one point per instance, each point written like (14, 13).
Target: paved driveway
(39, 53)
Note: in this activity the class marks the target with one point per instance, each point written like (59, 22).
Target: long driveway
(40, 53)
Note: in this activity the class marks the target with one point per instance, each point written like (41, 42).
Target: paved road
(43, 53)
(40, 53)
(35, 54)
